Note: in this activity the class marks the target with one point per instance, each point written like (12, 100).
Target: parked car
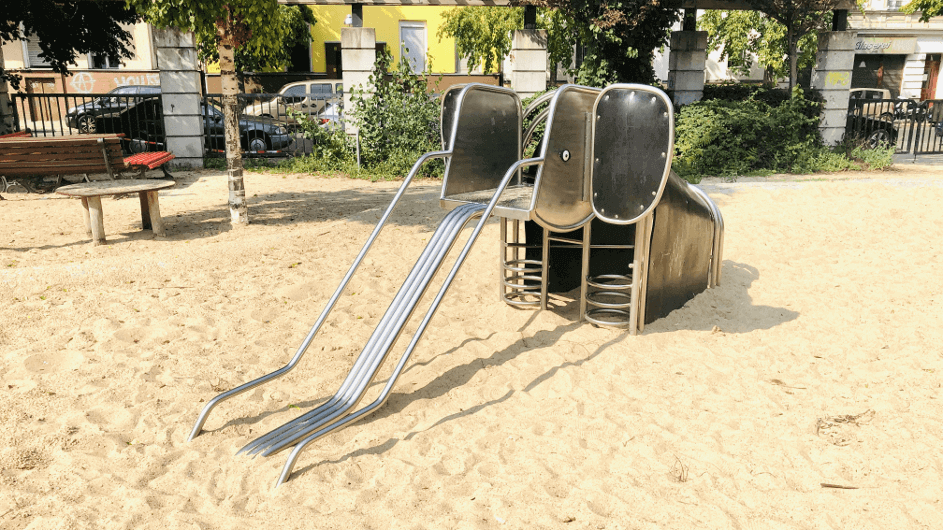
(257, 133)
(870, 101)
(83, 117)
(874, 132)
(307, 97)
(143, 127)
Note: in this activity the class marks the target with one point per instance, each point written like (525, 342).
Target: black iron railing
(265, 125)
(911, 126)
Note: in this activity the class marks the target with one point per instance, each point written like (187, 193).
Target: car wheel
(879, 138)
(257, 143)
(267, 115)
(86, 124)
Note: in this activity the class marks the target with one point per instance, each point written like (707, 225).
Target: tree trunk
(238, 209)
(793, 43)
(6, 107)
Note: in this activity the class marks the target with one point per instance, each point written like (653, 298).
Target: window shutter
(32, 54)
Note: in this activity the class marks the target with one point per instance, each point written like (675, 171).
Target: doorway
(931, 75)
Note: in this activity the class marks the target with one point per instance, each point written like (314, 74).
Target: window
(102, 61)
(32, 51)
(894, 5)
(294, 94)
(412, 36)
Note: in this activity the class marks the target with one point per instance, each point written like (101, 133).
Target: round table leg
(88, 222)
(96, 220)
(153, 208)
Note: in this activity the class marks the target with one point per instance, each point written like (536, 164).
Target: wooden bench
(22, 156)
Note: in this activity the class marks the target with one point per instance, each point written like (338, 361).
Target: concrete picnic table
(92, 192)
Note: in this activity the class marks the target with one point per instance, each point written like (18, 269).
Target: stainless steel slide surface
(380, 343)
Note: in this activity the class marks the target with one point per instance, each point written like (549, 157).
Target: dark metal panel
(485, 139)
(562, 204)
(633, 138)
(680, 255)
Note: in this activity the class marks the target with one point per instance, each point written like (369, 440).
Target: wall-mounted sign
(892, 45)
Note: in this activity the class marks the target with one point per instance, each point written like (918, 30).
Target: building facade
(896, 52)
(93, 74)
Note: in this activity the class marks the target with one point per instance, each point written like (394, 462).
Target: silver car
(306, 97)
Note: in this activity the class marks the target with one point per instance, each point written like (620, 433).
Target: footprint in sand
(53, 362)
(296, 292)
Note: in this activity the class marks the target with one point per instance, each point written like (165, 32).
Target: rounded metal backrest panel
(562, 182)
(633, 140)
(485, 138)
(448, 113)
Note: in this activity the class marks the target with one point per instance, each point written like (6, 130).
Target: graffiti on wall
(142, 79)
(99, 82)
(83, 82)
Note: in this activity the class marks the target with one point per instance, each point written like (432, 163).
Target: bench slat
(20, 154)
(53, 169)
(150, 160)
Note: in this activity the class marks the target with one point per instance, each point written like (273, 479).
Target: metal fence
(914, 127)
(266, 127)
(66, 114)
(268, 124)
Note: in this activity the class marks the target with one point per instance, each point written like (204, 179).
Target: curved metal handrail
(204, 414)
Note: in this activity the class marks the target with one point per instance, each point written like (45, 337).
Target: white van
(307, 97)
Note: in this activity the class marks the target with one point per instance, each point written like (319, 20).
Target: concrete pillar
(358, 53)
(180, 89)
(686, 61)
(832, 76)
(529, 62)
(6, 104)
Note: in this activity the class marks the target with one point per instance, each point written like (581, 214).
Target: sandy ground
(816, 363)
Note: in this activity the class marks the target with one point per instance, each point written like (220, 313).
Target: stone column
(180, 89)
(6, 104)
(686, 61)
(358, 53)
(529, 62)
(832, 76)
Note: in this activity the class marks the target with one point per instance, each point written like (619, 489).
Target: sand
(816, 363)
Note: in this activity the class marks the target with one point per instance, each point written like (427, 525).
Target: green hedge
(725, 138)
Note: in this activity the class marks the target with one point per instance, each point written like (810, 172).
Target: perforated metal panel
(563, 180)
(633, 139)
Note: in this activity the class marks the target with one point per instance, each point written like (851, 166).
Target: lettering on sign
(877, 45)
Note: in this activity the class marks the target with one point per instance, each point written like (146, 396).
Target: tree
(620, 36)
(742, 36)
(233, 24)
(295, 18)
(799, 17)
(927, 8)
(67, 28)
(483, 34)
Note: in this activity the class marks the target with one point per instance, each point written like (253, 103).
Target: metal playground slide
(601, 195)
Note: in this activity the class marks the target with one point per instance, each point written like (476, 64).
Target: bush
(331, 143)
(726, 138)
(398, 121)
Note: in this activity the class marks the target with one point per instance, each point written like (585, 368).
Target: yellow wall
(386, 22)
